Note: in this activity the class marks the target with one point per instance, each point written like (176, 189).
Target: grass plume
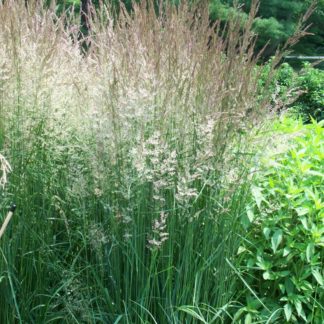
(128, 159)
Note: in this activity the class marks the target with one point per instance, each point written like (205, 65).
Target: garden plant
(130, 151)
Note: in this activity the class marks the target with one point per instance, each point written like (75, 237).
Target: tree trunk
(85, 13)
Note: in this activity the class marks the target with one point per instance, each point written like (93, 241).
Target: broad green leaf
(276, 240)
(304, 167)
(250, 214)
(299, 307)
(304, 222)
(283, 273)
(306, 286)
(250, 263)
(282, 288)
(245, 221)
(318, 276)
(302, 211)
(303, 316)
(315, 198)
(317, 233)
(288, 311)
(248, 217)
(263, 264)
(286, 251)
(241, 249)
(266, 232)
(257, 194)
(310, 250)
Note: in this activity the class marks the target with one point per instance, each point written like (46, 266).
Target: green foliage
(301, 92)
(222, 11)
(269, 28)
(277, 20)
(62, 5)
(310, 103)
(129, 171)
(281, 256)
(282, 82)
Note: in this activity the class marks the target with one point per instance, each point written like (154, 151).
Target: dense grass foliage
(129, 163)
(281, 257)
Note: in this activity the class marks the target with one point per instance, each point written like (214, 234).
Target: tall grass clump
(128, 162)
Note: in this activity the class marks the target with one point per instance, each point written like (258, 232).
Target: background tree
(277, 20)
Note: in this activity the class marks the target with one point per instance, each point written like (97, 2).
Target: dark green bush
(281, 256)
(301, 92)
(311, 103)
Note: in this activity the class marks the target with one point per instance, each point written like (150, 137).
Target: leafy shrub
(302, 92)
(311, 103)
(281, 258)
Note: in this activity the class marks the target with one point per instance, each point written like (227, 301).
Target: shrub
(310, 103)
(281, 256)
(301, 92)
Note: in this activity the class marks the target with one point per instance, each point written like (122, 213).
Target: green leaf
(299, 307)
(304, 222)
(241, 249)
(276, 240)
(289, 286)
(266, 232)
(283, 273)
(263, 264)
(310, 250)
(286, 251)
(239, 313)
(301, 211)
(250, 263)
(318, 276)
(315, 198)
(245, 221)
(282, 288)
(288, 311)
(189, 310)
(257, 194)
(250, 214)
(248, 319)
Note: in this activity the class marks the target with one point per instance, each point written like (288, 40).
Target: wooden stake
(7, 220)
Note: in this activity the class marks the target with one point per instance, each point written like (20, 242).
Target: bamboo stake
(7, 220)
